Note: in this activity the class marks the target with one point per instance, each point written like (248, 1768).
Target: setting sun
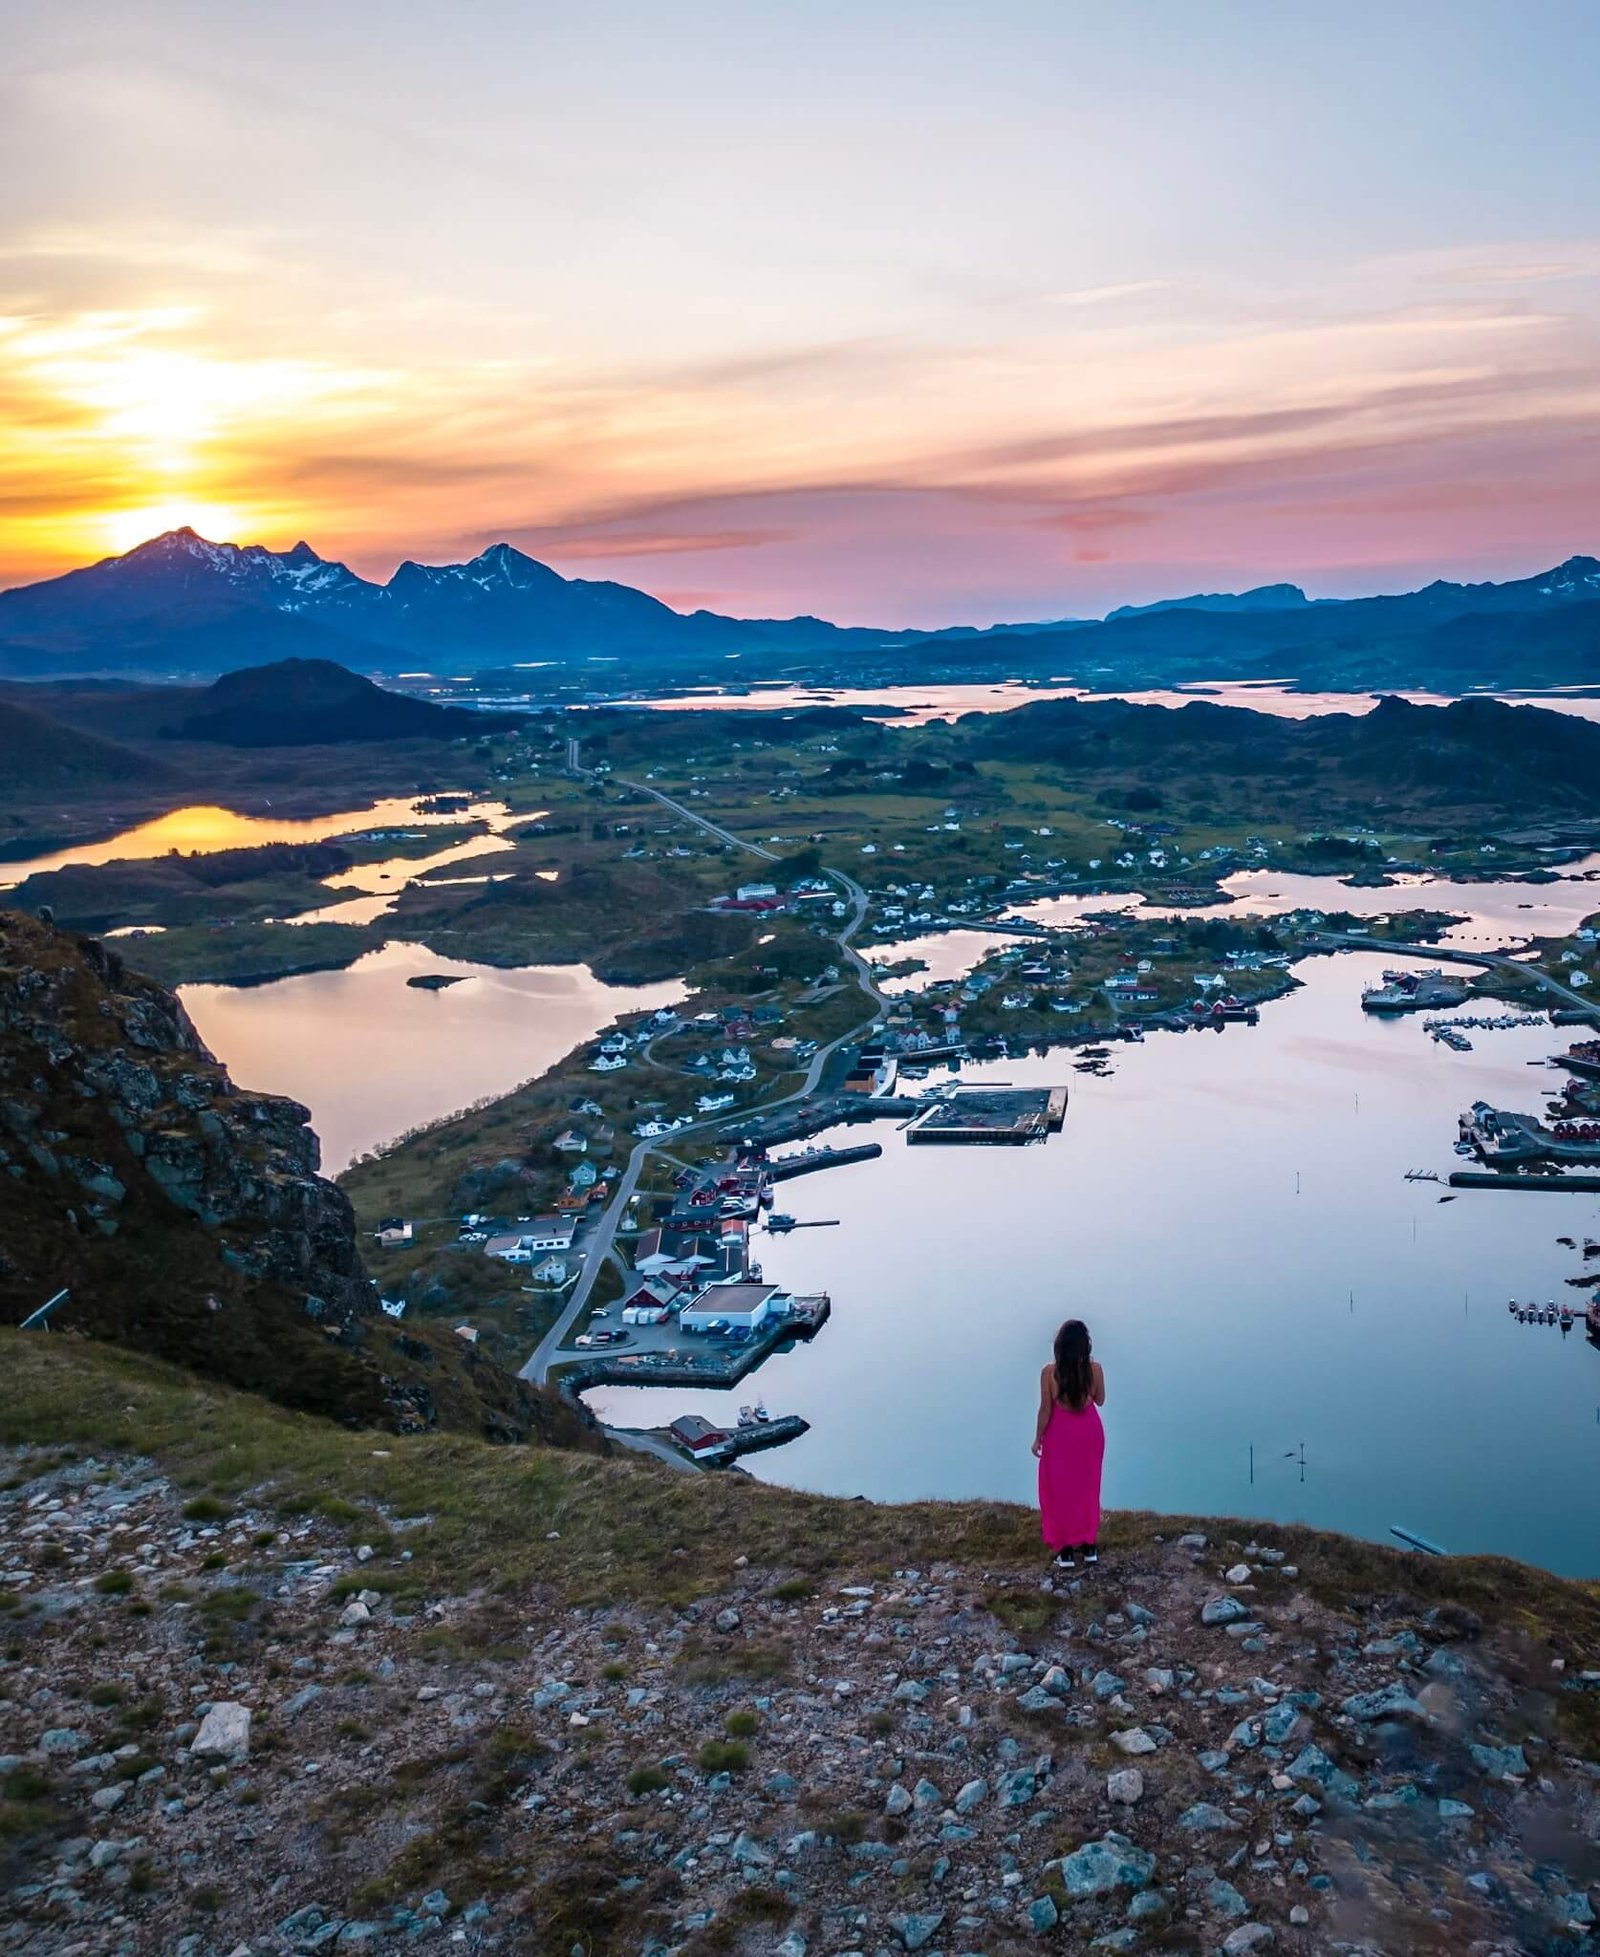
(122, 529)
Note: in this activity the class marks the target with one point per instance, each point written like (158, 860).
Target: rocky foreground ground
(223, 1734)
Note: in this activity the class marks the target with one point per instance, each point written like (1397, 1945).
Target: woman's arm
(1046, 1408)
(1098, 1386)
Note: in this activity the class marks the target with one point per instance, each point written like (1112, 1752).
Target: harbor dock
(822, 1158)
(992, 1114)
(1490, 1179)
(712, 1446)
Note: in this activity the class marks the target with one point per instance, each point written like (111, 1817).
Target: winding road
(599, 1246)
(1447, 954)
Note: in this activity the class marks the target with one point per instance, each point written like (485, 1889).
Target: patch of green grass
(647, 1780)
(205, 1508)
(793, 1590)
(745, 1658)
(742, 1725)
(724, 1757)
(628, 1530)
(614, 1673)
(114, 1583)
(105, 1694)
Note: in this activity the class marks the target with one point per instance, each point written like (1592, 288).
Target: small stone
(1225, 1899)
(1240, 1573)
(224, 1733)
(1135, 1740)
(1057, 1681)
(1125, 1785)
(1223, 1610)
(916, 1929)
(897, 1801)
(1203, 1818)
(1161, 1680)
(107, 1798)
(1498, 1761)
(1248, 1936)
(1279, 1724)
(435, 1903)
(62, 1739)
(1018, 1788)
(1391, 1701)
(911, 1691)
(1100, 1867)
(1037, 1699)
(1455, 1811)
(971, 1796)
(1042, 1915)
(727, 1620)
(925, 1795)
(1149, 1906)
(1299, 1916)
(355, 1612)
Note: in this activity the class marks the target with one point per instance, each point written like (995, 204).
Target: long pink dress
(1069, 1476)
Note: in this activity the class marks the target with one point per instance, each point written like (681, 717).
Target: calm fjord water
(1229, 1213)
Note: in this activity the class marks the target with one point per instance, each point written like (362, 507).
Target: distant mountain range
(182, 605)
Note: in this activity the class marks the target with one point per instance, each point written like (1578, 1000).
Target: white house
(393, 1231)
(755, 893)
(607, 1063)
(510, 1248)
(554, 1232)
(553, 1270)
(739, 1306)
(714, 1103)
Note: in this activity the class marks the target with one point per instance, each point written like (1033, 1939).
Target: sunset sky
(906, 314)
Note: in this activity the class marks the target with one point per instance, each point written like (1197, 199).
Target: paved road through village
(599, 1246)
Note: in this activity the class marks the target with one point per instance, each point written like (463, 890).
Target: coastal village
(663, 1167)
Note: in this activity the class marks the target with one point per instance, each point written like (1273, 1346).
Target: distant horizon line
(1288, 583)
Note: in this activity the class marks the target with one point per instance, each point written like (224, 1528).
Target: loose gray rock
(1223, 1610)
(224, 1733)
(1203, 1818)
(1125, 1785)
(1391, 1701)
(1101, 1867)
(1248, 1937)
(915, 1930)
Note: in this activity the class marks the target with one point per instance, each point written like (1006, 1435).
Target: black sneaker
(1091, 1556)
(1065, 1560)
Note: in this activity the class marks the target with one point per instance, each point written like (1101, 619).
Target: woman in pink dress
(1070, 1445)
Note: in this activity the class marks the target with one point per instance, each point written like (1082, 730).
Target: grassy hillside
(40, 760)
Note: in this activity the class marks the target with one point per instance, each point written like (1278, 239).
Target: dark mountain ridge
(1482, 754)
(180, 604)
(310, 702)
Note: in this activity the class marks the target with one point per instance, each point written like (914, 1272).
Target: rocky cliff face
(187, 1218)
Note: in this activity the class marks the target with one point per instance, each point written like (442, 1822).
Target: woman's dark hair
(1074, 1375)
